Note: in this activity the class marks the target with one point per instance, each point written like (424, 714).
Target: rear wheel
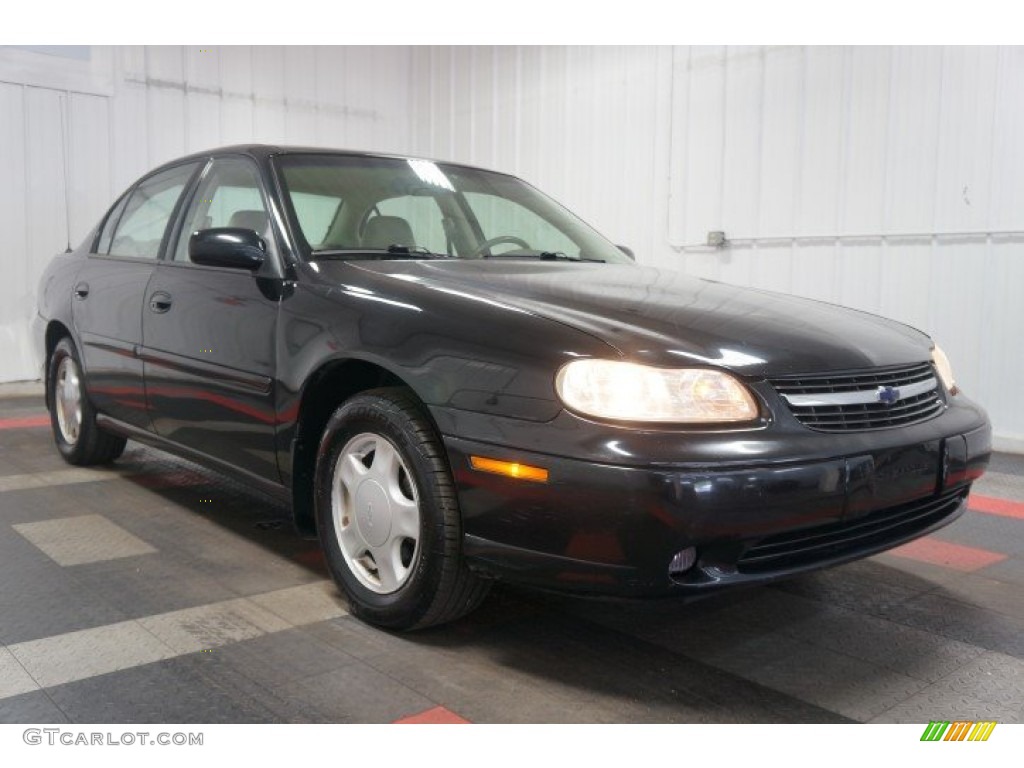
(388, 516)
(72, 417)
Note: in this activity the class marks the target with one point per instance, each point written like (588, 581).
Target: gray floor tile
(1002, 485)
(306, 604)
(83, 539)
(87, 653)
(13, 677)
(993, 533)
(276, 659)
(938, 704)
(211, 626)
(993, 677)
(1009, 571)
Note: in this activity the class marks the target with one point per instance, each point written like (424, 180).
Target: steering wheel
(498, 241)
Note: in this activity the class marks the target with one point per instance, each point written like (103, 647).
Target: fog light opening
(683, 561)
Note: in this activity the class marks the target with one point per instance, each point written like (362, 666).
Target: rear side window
(108, 226)
(141, 225)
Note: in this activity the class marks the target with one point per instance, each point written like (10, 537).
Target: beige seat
(254, 220)
(383, 231)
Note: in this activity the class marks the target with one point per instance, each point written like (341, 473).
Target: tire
(73, 419)
(400, 565)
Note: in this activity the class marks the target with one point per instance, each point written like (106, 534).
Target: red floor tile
(435, 716)
(993, 506)
(25, 422)
(956, 556)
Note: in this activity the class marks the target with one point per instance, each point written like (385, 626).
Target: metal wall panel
(837, 173)
(167, 101)
(16, 293)
(90, 186)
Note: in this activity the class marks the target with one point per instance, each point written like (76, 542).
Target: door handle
(160, 302)
(81, 291)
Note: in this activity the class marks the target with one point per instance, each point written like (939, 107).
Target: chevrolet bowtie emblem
(888, 395)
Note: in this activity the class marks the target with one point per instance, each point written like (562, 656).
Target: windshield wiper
(559, 256)
(393, 251)
(542, 255)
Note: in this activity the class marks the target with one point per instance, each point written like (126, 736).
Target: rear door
(110, 289)
(210, 331)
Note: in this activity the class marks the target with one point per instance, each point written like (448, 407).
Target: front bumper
(609, 529)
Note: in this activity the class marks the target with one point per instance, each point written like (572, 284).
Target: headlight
(944, 368)
(616, 390)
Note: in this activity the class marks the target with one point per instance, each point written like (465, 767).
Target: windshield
(356, 207)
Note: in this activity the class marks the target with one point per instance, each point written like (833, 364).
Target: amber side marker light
(509, 469)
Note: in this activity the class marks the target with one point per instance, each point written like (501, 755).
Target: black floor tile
(171, 691)
(34, 707)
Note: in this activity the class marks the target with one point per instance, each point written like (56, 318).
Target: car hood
(666, 318)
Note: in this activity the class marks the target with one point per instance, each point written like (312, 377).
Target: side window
(141, 226)
(108, 226)
(500, 216)
(228, 196)
(423, 215)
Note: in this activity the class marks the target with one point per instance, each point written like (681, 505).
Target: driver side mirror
(231, 247)
(627, 250)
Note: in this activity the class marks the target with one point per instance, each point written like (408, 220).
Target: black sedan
(455, 380)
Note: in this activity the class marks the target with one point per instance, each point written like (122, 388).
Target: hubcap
(68, 393)
(376, 513)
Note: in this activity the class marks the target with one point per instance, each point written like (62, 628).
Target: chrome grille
(841, 402)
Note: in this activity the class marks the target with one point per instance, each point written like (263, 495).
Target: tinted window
(424, 216)
(316, 213)
(446, 209)
(499, 216)
(149, 208)
(228, 196)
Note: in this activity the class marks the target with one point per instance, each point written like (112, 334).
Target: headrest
(256, 220)
(382, 231)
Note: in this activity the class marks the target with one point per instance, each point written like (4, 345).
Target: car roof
(265, 151)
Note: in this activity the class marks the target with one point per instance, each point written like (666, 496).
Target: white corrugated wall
(74, 134)
(888, 179)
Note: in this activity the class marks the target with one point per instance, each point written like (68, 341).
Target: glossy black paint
(230, 247)
(241, 370)
(107, 307)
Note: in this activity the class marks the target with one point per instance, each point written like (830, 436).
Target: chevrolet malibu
(454, 380)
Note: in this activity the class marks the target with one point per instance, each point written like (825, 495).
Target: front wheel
(388, 517)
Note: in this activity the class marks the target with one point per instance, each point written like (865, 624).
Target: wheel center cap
(373, 513)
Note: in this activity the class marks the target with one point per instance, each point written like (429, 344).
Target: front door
(209, 333)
